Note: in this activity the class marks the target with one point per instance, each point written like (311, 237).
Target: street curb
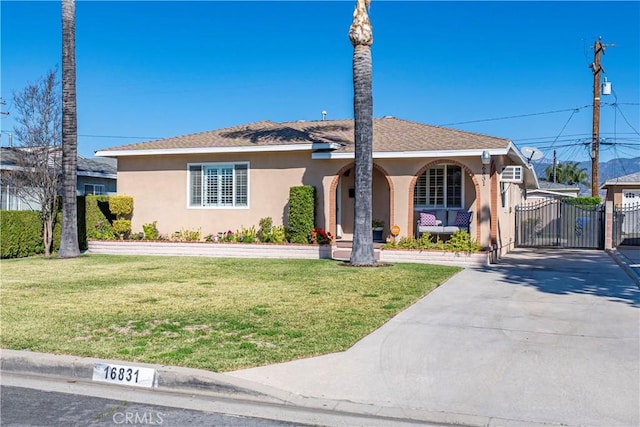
(196, 381)
(625, 263)
(167, 377)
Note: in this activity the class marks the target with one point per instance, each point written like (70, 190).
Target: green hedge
(99, 218)
(20, 234)
(584, 201)
(302, 205)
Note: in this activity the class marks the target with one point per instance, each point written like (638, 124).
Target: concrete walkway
(546, 336)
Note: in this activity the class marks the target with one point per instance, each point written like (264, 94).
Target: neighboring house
(95, 176)
(225, 179)
(624, 190)
(552, 190)
(624, 194)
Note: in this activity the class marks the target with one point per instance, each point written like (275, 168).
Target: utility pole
(4, 113)
(596, 67)
(555, 166)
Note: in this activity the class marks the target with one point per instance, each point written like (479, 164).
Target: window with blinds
(439, 187)
(218, 185)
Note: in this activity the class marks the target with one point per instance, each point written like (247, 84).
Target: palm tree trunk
(361, 37)
(69, 238)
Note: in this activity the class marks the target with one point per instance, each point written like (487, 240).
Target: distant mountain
(606, 170)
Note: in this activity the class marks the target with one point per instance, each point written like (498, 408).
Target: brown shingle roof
(389, 134)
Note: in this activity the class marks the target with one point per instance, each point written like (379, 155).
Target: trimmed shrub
(98, 218)
(264, 233)
(302, 205)
(20, 234)
(268, 233)
(121, 206)
(14, 245)
(186, 235)
(460, 241)
(151, 231)
(122, 228)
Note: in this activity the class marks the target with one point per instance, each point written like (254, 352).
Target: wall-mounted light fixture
(486, 160)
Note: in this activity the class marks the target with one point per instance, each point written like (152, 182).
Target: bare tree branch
(32, 168)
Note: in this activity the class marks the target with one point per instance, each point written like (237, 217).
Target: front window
(439, 187)
(218, 185)
(95, 189)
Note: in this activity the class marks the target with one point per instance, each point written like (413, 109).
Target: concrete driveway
(546, 336)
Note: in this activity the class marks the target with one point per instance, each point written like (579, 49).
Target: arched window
(441, 186)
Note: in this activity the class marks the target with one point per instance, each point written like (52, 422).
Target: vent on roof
(388, 117)
(511, 174)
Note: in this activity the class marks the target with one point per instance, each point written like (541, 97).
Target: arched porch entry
(342, 201)
(439, 188)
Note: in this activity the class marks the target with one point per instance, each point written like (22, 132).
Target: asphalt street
(35, 400)
(30, 407)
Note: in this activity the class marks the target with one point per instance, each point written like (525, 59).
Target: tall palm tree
(361, 37)
(69, 238)
(574, 174)
(568, 173)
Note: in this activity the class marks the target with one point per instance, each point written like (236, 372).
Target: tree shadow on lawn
(568, 271)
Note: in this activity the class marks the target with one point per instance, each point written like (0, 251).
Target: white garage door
(630, 197)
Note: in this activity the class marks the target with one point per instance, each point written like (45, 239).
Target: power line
(516, 117)
(627, 121)
(120, 136)
(564, 127)
(571, 134)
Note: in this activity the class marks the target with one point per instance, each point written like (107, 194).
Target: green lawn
(216, 314)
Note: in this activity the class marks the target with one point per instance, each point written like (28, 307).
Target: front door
(345, 203)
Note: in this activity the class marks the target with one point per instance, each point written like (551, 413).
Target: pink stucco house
(228, 178)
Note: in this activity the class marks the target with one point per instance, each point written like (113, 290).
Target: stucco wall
(505, 208)
(159, 187)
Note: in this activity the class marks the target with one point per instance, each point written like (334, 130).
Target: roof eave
(530, 176)
(553, 193)
(411, 154)
(204, 150)
(91, 174)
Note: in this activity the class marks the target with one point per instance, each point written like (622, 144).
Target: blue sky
(154, 69)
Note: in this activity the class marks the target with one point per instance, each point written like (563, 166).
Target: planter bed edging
(216, 250)
(477, 259)
(256, 250)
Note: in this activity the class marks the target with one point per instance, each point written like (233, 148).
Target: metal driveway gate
(559, 223)
(626, 224)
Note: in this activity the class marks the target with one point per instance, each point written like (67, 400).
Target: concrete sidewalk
(628, 257)
(548, 336)
(544, 337)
